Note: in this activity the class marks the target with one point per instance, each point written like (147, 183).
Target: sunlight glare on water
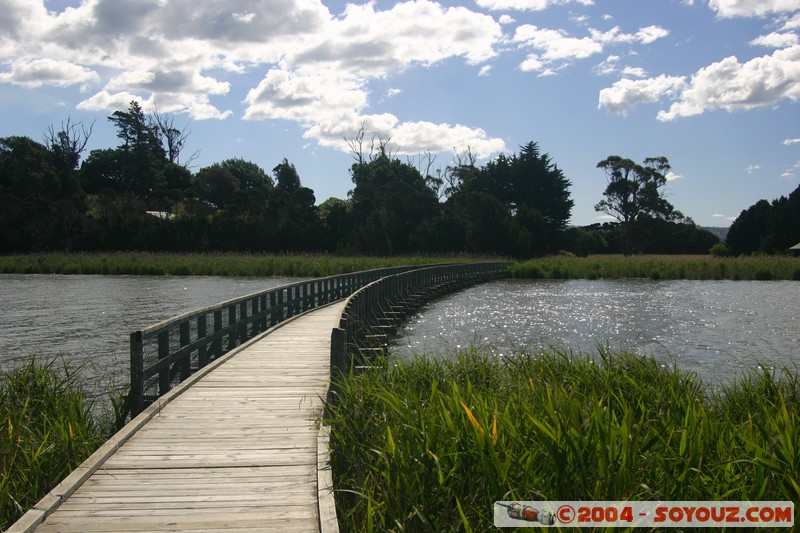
(714, 328)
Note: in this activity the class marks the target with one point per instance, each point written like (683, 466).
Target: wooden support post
(136, 393)
(232, 329)
(202, 353)
(339, 351)
(185, 363)
(164, 381)
(216, 345)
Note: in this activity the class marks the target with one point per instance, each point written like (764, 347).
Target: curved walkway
(230, 450)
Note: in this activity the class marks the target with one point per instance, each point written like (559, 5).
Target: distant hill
(721, 232)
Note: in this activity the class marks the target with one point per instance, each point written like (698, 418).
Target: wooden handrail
(166, 353)
(374, 311)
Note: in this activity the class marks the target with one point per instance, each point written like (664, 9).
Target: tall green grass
(194, 264)
(429, 445)
(696, 267)
(46, 430)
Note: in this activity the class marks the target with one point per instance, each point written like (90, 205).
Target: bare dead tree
(424, 163)
(356, 143)
(463, 163)
(173, 138)
(68, 143)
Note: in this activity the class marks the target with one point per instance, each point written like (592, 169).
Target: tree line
(142, 195)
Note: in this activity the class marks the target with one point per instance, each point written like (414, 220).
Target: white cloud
(393, 92)
(752, 8)
(615, 35)
(787, 142)
(608, 66)
(178, 54)
(625, 94)
(752, 168)
(527, 5)
(634, 72)
(485, 70)
(671, 176)
(735, 86)
(775, 40)
(556, 48)
(556, 44)
(39, 72)
(727, 85)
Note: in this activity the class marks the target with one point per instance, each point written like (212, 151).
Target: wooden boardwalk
(236, 450)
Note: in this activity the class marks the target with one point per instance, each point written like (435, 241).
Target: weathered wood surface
(237, 451)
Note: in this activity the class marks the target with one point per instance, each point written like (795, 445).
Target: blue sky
(713, 85)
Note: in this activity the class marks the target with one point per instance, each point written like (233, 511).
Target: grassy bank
(46, 430)
(309, 265)
(430, 445)
(697, 267)
(158, 264)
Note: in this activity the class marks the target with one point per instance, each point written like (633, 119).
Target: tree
(635, 193)
(533, 190)
(767, 227)
(396, 195)
(286, 177)
(215, 185)
(636, 190)
(171, 137)
(250, 175)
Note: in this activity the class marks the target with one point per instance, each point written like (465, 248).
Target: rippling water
(714, 328)
(89, 318)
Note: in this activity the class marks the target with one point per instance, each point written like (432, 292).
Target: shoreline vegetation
(692, 267)
(429, 444)
(47, 429)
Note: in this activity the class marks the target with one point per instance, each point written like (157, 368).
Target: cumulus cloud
(555, 48)
(626, 94)
(727, 84)
(787, 142)
(735, 86)
(45, 71)
(751, 8)
(527, 5)
(775, 40)
(179, 54)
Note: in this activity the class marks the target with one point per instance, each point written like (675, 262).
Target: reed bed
(46, 431)
(430, 444)
(695, 267)
(165, 264)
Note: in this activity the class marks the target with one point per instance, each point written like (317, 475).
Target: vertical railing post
(164, 380)
(136, 393)
(202, 352)
(185, 362)
(232, 329)
(216, 345)
(273, 308)
(243, 321)
(339, 350)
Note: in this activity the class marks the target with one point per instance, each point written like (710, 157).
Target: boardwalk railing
(167, 353)
(376, 310)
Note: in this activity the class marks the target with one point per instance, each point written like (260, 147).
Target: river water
(88, 319)
(716, 329)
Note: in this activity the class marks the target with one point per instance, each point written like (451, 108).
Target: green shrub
(720, 250)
